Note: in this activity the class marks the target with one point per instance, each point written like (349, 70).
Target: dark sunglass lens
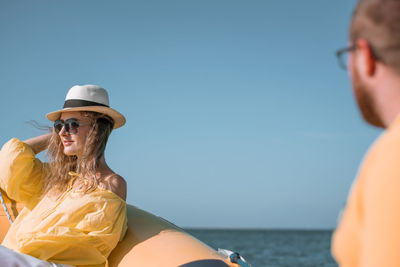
(71, 126)
(58, 125)
(74, 124)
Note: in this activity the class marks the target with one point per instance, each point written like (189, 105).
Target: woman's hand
(38, 143)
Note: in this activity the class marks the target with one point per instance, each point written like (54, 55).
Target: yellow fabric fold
(77, 228)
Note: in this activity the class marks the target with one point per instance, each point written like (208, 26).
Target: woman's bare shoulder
(114, 183)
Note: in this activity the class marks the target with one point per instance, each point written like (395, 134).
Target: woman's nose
(63, 132)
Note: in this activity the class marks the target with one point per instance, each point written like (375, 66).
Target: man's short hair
(378, 21)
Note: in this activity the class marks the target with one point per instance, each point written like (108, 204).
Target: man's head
(375, 33)
(378, 22)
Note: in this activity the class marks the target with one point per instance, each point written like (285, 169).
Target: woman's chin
(69, 152)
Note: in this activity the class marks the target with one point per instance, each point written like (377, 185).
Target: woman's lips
(67, 143)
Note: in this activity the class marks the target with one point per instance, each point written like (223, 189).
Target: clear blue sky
(237, 112)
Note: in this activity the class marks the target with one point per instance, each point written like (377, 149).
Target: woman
(75, 209)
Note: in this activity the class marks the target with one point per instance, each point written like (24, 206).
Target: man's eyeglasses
(71, 125)
(342, 55)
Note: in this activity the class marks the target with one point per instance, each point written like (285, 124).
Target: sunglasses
(70, 125)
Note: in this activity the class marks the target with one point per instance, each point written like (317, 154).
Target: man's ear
(365, 59)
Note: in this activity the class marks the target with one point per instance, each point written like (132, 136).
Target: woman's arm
(38, 143)
(21, 172)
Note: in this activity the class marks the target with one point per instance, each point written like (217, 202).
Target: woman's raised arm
(38, 143)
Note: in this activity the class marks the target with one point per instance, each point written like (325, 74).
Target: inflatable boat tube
(149, 241)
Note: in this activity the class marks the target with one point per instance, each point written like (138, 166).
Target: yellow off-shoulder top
(79, 229)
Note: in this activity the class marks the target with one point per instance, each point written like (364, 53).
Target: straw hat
(88, 98)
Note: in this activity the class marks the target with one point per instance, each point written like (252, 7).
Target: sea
(273, 247)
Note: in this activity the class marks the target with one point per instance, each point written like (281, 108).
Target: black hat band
(75, 103)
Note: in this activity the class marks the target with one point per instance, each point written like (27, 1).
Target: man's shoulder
(381, 166)
(388, 143)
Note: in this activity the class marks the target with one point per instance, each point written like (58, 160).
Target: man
(369, 231)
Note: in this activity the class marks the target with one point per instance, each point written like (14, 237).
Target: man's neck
(387, 95)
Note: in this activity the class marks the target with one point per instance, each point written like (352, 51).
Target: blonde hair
(61, 165)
